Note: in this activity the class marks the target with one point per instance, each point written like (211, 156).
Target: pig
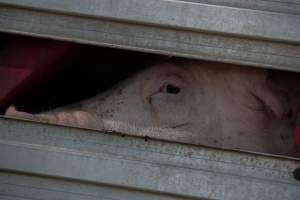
(189, 101)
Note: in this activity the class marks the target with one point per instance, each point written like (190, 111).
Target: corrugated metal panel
(259, 32)
(52, 162)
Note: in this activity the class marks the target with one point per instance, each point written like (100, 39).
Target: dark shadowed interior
(93, 70)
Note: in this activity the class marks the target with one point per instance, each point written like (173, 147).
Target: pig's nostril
(172, 89)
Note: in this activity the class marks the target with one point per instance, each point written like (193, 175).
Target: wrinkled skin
(190, 101)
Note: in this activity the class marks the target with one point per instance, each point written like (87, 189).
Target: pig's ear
(273, 99)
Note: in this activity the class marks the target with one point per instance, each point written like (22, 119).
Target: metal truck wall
(259, 33)
(54, 162)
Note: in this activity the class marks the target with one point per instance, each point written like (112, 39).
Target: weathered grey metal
(266, 34)
(18, 186)
(52, 162)
(281, 6)
(179, 14)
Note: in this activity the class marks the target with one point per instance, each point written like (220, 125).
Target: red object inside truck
(27, 62)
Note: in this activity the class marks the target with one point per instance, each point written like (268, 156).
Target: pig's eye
(171, 89)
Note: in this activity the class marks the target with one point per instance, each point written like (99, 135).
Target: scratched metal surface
(280, 6)
(260, 32)
(40, 161)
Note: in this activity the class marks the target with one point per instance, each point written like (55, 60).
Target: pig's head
(188, 101)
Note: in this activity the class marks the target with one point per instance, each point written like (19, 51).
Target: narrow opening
(84, 72)
(191, 101)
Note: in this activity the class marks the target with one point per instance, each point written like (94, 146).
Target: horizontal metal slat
(170, 170)
(280, 6)
(151, 39)
(20, 186)
(181, 14)
(180, 28)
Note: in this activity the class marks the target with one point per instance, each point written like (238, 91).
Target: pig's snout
(70, 118)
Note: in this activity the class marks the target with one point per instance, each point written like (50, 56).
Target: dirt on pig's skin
(195, 102)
